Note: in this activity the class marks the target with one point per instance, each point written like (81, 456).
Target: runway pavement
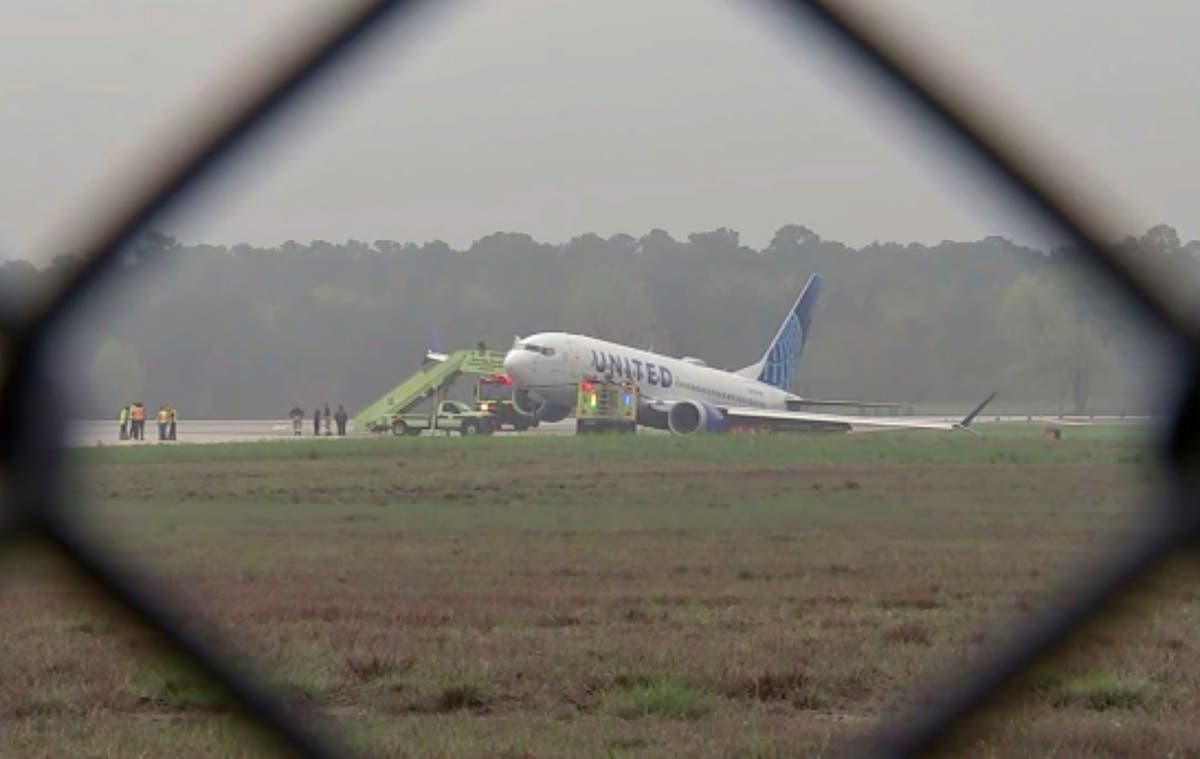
(98, 433)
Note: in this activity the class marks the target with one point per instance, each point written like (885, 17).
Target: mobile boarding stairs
(436, 375)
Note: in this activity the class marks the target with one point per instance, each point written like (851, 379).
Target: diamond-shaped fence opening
(35, 504)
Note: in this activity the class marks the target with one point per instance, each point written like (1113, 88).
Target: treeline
(248, 332)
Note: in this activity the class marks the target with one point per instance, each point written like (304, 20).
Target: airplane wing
(759, 417)
(850, 423)
(804, 403)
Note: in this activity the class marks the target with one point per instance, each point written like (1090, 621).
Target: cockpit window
(539, 349)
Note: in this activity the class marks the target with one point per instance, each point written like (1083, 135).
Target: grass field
(660, 596)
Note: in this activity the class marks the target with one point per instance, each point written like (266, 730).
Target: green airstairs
(436, 375)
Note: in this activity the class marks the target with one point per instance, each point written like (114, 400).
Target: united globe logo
(780, 364)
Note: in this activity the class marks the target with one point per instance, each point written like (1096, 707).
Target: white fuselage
(550, 365)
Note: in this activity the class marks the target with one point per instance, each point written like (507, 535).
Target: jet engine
(524, 403)
(538, 409)
(686, 417)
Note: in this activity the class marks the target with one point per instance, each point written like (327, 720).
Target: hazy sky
(558, 117)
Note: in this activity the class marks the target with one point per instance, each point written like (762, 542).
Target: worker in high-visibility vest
(137, 415)
(123, 418)
(163, 419)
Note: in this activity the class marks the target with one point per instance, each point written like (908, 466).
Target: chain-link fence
(33, 451)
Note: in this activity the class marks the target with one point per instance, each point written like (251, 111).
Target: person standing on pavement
(341, 416)
(172, 418)
(317, 421)
(297, 415)
(160, 417)
(138, 414)
(123, 418)
(328, 422)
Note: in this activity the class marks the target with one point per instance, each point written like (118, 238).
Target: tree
(791, 238)
(1160, 240)
(245, 331)
(1058, 334)
(150, 247)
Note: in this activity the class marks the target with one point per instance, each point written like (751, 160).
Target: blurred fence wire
(33, 451)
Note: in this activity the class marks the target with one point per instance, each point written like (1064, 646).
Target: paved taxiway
(92, 433)
(99, 433)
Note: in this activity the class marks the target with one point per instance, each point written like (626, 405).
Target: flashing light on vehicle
(592, 400)
(587, 387)
(627, 398)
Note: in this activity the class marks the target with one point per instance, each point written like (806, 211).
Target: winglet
(966, 420)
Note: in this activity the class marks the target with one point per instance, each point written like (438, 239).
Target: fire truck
(606, 405)
(494, 395)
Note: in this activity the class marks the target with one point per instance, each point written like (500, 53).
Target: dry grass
(748, 597)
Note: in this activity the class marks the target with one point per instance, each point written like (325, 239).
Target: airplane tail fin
(778, 365)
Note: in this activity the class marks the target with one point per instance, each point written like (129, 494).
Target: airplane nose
(514, 363)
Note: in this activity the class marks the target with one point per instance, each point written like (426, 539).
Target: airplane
(685, 395)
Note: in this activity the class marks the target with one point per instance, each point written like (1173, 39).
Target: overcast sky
(559, 117)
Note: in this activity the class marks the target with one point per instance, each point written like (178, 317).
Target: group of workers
(340, 417)
(132, 419)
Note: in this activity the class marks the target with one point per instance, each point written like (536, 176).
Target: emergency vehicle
(494, 396)
(606, 405)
